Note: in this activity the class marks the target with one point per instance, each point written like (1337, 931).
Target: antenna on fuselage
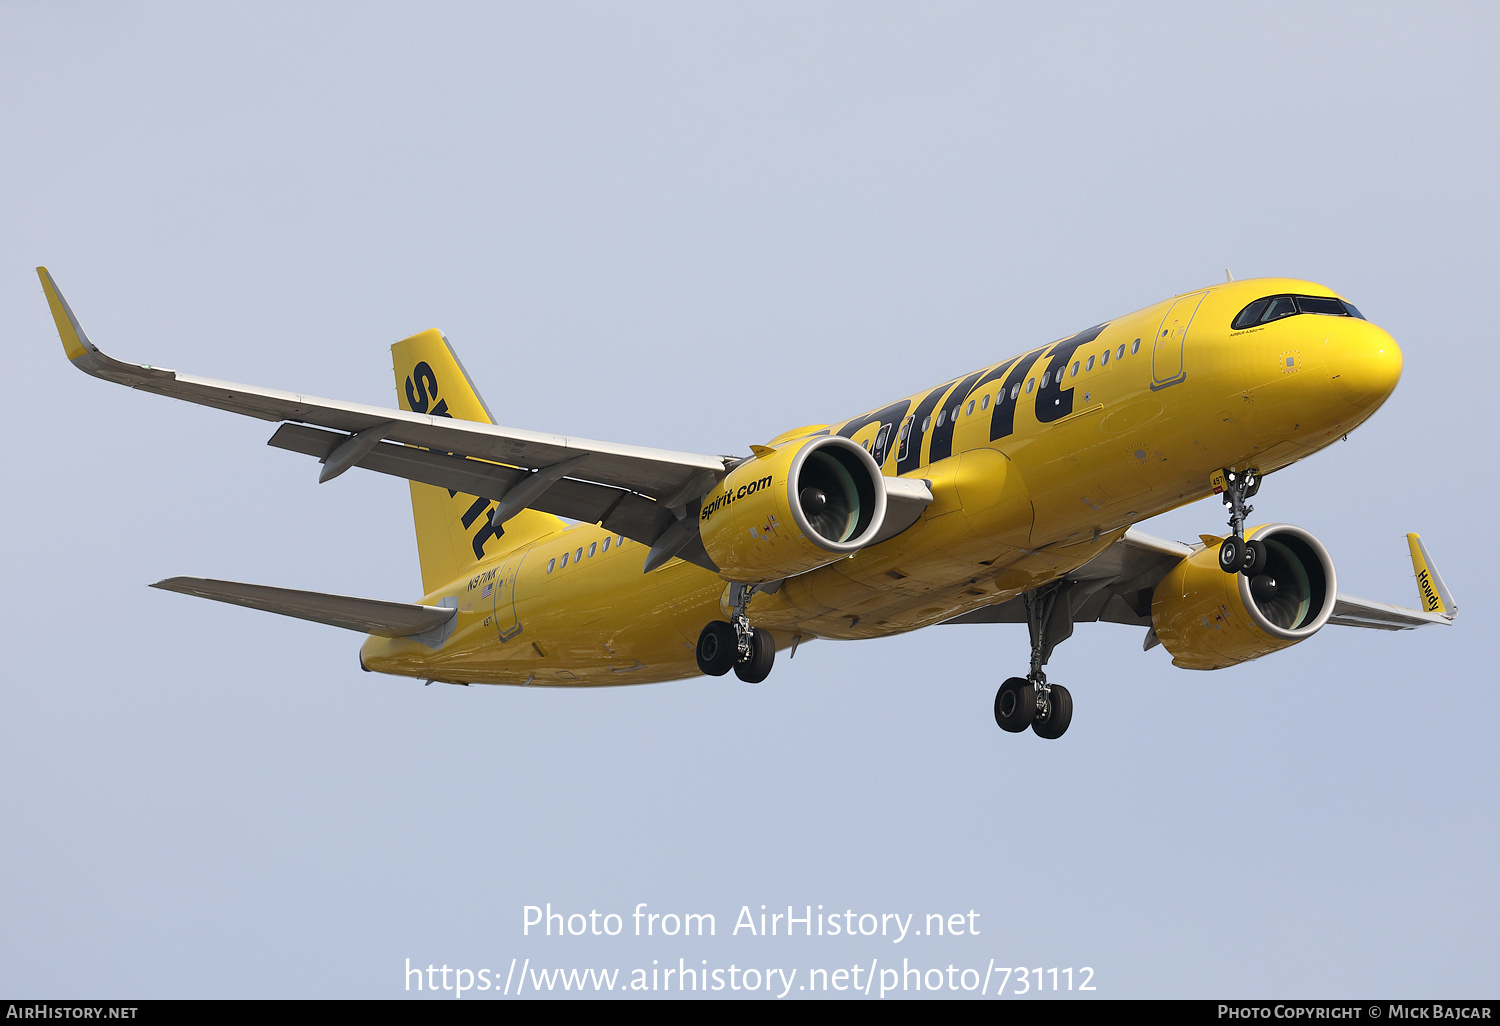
(1227, 275)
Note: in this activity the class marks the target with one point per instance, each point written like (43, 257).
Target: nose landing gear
(1236, 555)
(1032, 701)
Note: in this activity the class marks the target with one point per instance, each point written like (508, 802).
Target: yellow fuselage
(1024, 490)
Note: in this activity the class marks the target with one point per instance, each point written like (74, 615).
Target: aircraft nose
(1364, 362)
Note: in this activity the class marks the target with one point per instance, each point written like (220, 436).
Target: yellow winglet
(75, 343)
(1434, 593)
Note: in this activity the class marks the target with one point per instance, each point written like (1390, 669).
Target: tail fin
(453, 529)
(1430, 586)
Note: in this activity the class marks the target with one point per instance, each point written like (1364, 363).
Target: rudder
(453, 529)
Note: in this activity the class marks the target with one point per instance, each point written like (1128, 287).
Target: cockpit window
(1273, 308)
(1251, 314)
(1281, 306)
(1320, 305)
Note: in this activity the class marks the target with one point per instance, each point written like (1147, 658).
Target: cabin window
(926, 422)
(1104, 359)
(620, 539)
(593, 546)
(885, 432)
(1091, 364)
(1074, 371)
(969, 410)
(1046, 377)
(578, 556)
(1031, 383)
(605, 546)
(563, 562)
(984, 403)
(1121, 354)
(551, 564)
(1135, 347)
(1015, 390)
(942, 417)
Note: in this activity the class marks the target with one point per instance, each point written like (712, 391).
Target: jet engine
(1208, 619)
(792, 509)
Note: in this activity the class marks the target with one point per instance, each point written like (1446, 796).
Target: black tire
(716, 648)
(1015, 705)
(1255, 557)
(1059, 714)
(762, 655)
(1232, 555)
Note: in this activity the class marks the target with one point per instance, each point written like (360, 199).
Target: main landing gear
(1236, 555)
(1031, 701)
(749, 651)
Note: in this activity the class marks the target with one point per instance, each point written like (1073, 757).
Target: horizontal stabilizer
(368, 616)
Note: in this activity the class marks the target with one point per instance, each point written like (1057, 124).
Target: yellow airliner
(1009, 495)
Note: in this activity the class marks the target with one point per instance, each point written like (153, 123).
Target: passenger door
(506, 618)
(1167, 367)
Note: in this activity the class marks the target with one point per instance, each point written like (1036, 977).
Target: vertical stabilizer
(453, 529)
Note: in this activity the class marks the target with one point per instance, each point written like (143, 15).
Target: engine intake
(1208, 619)
(793, 509)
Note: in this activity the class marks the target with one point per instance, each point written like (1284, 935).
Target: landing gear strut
(1236, 555)
(1032, 701)
(749, 651)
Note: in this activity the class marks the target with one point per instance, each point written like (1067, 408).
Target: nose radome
(1364, 361)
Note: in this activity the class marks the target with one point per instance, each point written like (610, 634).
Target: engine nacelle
(1209, 619)
(793, 509)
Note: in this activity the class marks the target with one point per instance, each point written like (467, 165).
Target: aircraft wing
(628, 488)
(1116, 586)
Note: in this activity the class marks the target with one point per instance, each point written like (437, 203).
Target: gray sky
(694, 226)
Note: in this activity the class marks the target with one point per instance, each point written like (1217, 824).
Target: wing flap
(368, 616)
(617, 510)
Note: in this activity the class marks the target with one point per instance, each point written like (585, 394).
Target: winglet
(1434, 593)
(85, 355)
(75, 343)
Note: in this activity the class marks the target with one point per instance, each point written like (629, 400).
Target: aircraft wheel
(716, 648)
(762, 655)
(1255, 557)
(1015, 705)
(1232, 555)
(1054, 724)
